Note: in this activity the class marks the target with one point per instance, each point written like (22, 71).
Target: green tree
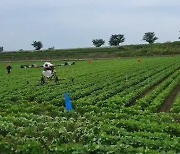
(150, 37)
(37, 44)
(51, 48)
(1, 49)
(98, 42)
(116, 39)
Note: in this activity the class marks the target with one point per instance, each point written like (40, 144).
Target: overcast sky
(74, 23)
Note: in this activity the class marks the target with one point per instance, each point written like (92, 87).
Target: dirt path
(170, 100)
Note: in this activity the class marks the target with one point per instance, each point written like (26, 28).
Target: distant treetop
(98, 42)
(37, 44)
(150, 37)
(115, 40)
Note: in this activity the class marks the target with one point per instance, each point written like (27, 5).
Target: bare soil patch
(170, 100)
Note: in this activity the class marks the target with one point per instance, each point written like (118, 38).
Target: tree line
(114, 40)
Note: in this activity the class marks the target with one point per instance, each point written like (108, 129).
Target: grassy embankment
(170, 48)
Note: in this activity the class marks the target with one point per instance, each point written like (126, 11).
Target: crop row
(148, 99)
(126, 92)
(176, 106)
(33, 118)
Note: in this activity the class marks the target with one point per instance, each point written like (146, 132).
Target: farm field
(119, 106)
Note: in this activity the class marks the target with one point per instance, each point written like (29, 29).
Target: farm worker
(8, 68)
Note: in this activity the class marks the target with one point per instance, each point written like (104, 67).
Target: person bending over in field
(8, 68)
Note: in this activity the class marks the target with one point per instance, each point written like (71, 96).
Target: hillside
(169, 48)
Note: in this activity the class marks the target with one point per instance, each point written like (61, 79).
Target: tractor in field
(49, 73)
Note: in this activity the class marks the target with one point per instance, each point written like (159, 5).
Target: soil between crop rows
(170, 100)
(146, 92)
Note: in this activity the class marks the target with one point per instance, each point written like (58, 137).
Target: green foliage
(116, 39)
(37, 44)
(168, 48)
(150, 37)
(176, 106)
(1, 49)
(98, 42)
(33, 118)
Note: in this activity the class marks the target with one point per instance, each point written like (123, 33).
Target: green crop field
(123, 106)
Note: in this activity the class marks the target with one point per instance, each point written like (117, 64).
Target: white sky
(74, 23)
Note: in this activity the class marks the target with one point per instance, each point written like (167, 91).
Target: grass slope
(170, 48)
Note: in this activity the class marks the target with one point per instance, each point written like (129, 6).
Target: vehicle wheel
(42, 80)
(56, 80)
